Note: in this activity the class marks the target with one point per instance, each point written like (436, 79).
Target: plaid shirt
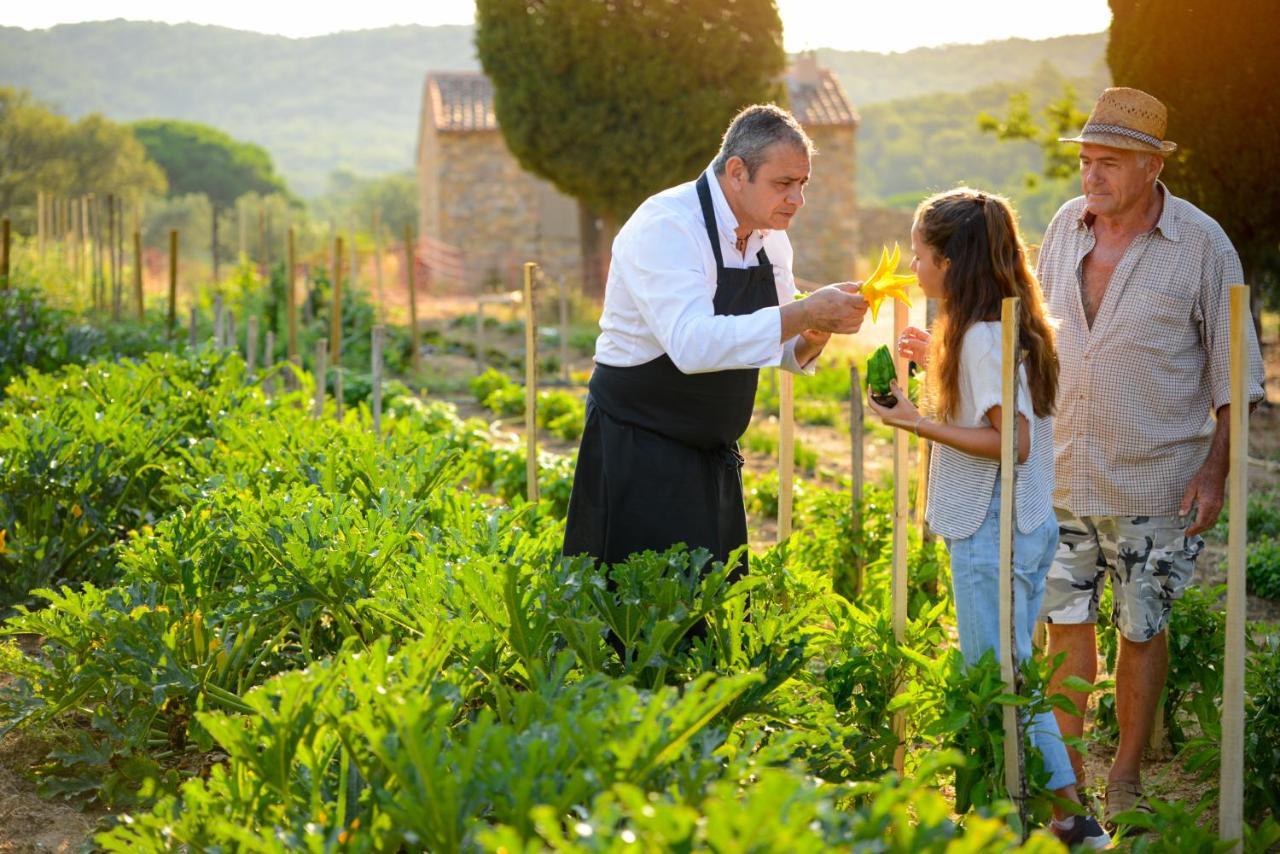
(1137, 392)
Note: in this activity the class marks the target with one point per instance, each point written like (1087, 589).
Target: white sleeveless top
(961, 485)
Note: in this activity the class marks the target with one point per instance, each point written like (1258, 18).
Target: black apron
(659, 461)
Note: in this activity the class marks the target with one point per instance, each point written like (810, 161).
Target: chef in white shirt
(700, 296)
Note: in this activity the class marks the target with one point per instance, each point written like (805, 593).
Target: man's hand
(1205, 493)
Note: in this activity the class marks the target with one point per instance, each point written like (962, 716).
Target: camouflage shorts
(1150, 561)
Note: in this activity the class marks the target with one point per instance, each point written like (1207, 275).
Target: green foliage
(560, 412)
(1262, 571)
(1223, 115)
(565, 79)
(1062, 118)
(46, 151)
(393, 197)
(198, 158)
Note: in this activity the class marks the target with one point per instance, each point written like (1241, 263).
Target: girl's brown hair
(978, 234)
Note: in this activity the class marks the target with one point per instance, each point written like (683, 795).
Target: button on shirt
(1137, 391)
(662, 280)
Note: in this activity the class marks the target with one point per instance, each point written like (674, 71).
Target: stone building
(481, 215)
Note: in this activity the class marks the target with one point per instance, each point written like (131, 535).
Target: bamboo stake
(413, 295)
(901, 474)
(173, 279)
(335, 309)
(1014, 777)
(786, 451)
(857, 450)
(531, 381)
(4, 254)
(1231, 783)
(137, 273)
(321, 373)
(192, 340)
(291, 298)
(376, 370)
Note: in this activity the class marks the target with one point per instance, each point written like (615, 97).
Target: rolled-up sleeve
(1221, 270)
(670, 290)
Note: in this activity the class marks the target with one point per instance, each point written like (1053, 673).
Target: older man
(700, 296)
(1137, 281)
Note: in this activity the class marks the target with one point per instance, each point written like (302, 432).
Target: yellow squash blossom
(884, 282)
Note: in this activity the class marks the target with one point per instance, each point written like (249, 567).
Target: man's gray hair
(756, 128)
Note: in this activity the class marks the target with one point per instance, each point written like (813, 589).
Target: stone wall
(825, 232)
(879, 227)
(475, 197)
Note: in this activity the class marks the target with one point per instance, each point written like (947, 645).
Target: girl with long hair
(969, 256)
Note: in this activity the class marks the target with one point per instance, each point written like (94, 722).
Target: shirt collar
(1167, 225)
(726, 222)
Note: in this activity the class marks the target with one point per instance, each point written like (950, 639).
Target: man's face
(776, 193)
(1116, 180)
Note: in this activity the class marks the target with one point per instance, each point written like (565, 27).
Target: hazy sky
(883, 25)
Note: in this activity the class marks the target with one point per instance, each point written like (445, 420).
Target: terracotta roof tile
(823, 103)
(461, 101)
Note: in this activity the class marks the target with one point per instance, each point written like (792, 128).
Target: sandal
(1122, 796)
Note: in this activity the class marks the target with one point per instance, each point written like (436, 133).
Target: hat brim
(1115, 140)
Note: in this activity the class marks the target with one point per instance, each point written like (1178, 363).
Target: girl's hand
(914, 345)
(903, 415)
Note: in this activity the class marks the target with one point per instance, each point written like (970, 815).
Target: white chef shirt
(662, 280)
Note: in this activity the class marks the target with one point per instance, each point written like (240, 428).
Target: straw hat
(1127, 118)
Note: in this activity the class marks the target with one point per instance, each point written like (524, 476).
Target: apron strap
(709, 220)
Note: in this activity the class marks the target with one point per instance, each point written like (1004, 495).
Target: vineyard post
(291, 299)
(564, 329)
(111, 253)
(376, 370)
(339, 397)
(335, 306)
(173, 279)
(1231, 782)
(137, 271)
(531, 381)
(857, 444)
(901, 473)
(1014, 770)
(4, 255)
(40, 214)
(377, 264)
(322, 373)
(479, 345)
(219, 321)
(268, 362)
(251, 346)
(192, 340)
(786, 451)
(413, 295)
(213, 250)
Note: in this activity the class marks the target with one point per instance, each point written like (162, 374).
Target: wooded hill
(351, 100)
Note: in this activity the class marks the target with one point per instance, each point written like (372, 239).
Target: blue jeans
(975, 580)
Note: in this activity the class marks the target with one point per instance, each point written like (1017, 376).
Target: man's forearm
(1220, 445)
(795, 319)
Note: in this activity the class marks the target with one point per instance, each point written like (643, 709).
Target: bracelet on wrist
(916, 427)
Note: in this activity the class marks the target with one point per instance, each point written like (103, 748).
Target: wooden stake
(786, 451)
(564, 330)
(339, 400)
(413, 295)
(40, 215)
(1231, 782)
(321, 374)
(219, 323)
(173, 279)
(901, 473)
(376, 370)
(291, 298)
(4, 254)
(1014, 779)
(335, 308)
(251, 346)
(137, 274)
(531, 381)
(857, 446)
(192, 340)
